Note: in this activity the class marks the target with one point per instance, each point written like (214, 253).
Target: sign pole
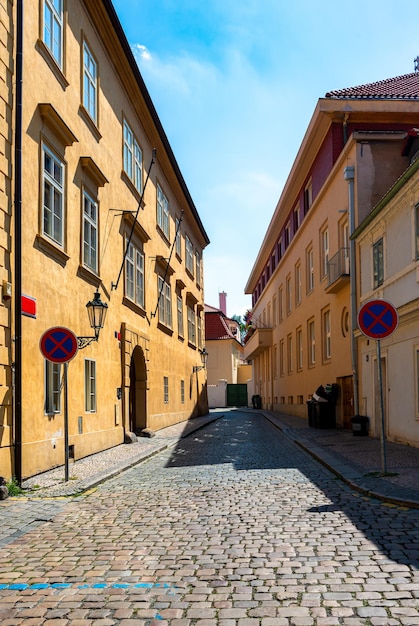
(383, 430)
(66, 420)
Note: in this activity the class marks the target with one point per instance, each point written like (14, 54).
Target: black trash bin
(256, 401)
(359, 425)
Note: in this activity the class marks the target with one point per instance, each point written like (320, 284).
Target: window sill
(50, 249)
(132, 187)
(90, 122)
(88, 275)
(50, 60)
(165, 329)
(134, 307)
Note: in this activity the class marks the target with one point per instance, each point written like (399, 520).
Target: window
(133, 159)
(166, 389)
(280, 249)
(165, 302)
(134, 275)
(288, 294)
(281, 358)
(287, 235)
(417, 232)
(298, 284)
(180, 329)
(162, 212)
(53, 197)
(178, 239)
(274, 311)
(199, 328)
(198, 268)
(90, 386)
(89, 83)
(189, 255)
(327, 335)
(299, 349)
(53, 29)
(52, 388)
(310, 269)
(191, 326)
(289, 353)
(311, 344)
(90, 229)
(275, 362)
(281, 304)
(378, 262)
(324, 251)
(296, 216)
(308, 197)
(182, 392)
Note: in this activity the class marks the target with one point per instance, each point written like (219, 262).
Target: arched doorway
(137, 391)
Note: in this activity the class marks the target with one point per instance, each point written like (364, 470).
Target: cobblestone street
(235, 526)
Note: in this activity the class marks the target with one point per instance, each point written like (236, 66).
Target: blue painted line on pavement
(23, 586)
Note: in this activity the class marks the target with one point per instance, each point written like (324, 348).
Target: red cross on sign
(378, 319)
(58, 344)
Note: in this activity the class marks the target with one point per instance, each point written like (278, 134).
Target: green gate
(237, 395)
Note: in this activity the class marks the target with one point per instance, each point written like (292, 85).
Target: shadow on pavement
(249, 443)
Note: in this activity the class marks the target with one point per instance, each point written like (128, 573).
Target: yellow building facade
(303, 282)
(104, 209)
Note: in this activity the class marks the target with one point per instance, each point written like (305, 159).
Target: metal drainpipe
(18, 245)
(349, 175)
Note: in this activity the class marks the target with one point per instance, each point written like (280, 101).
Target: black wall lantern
(96, 310)
(204, 359)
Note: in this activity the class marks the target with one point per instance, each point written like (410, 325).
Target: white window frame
(281, 304)
(311, 336)
(180, 324)
(299, 347)
(90, 91)
(297, 218)
(134, 274)
(288, 293)
(53, 29)
(298, 284)
(165, 302)
(324, 251)
(53, 212)
(90, 233)
(90, 399)
(162, 212)
(327, 335)
(198, 268)
(52, 388)
(133, 158)
(178, 247)
(191, 325)
(310, 269)
(282, 358)
(290, 362)
(189, 255)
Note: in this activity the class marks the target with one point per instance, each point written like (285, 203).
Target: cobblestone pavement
(234, 526)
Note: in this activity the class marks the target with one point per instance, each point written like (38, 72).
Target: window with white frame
(90, 233)
(297, 219)
(52, 388)
(134, 275)
(53, 26)
(298, 284)
(299, 349)
(308, 197)
(327, 336)
(199, 329)
(281, 303)
(275, 362)
(162, 212)
(324, 251)
(287, 233)
(417, 232)
(311, 343)
(198, 268)
(178, 245)
(165, 302)
(378, 262)
(133, 158)
(180, 328)
(53, 174)
(189, 255)
(282, 358)
(166, 389)
(90, 386)
(288, 294)
(182, 392)
(289, 353)
(191, 326)
(310, 269)
(89, 82)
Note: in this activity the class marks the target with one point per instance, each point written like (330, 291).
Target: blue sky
(235, 83)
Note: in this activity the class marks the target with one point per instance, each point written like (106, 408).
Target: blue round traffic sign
(58, 344)
(378, 319)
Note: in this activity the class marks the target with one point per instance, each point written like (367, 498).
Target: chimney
(223, 302)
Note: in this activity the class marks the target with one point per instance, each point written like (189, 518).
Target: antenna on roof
(416, 62)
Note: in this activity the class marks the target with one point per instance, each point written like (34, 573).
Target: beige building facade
(303, 279)
(104, 209)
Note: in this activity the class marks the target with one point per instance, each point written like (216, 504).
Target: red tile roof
(217, 325)
(404, 87)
